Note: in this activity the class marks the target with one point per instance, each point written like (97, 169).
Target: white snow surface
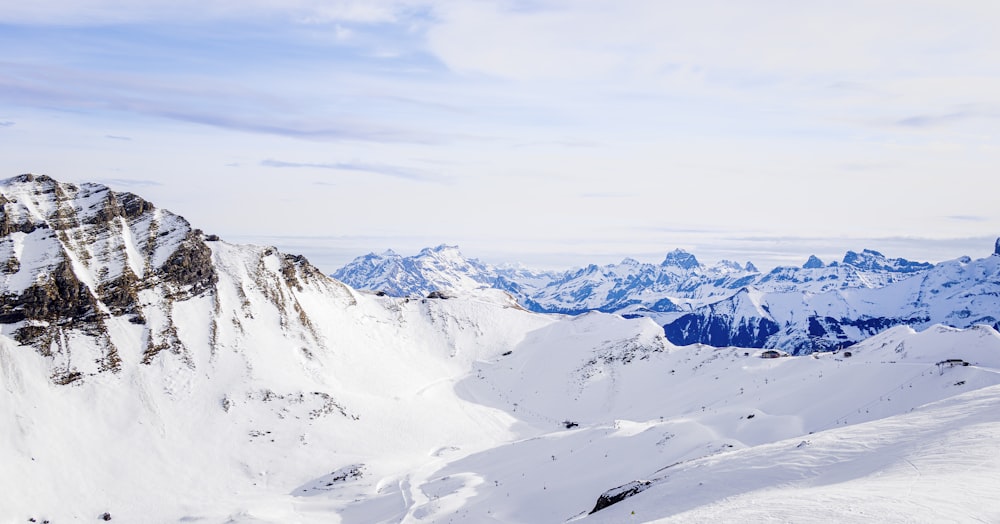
(280, 395)
(310, 402)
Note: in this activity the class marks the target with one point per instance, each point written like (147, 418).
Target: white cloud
(581, 38)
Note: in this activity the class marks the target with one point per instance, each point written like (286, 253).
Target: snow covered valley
(415, 413)
(156, 374)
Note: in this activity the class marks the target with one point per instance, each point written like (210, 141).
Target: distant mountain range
(814, 307)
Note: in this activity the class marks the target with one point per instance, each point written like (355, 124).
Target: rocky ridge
(79, 262)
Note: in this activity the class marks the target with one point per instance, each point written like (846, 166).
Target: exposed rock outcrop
(72, 257)
(615, 495)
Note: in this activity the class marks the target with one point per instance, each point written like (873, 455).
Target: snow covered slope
(609, 418)
(931, 465)
(247, 387)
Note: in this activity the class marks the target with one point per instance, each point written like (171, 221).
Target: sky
(554, 133)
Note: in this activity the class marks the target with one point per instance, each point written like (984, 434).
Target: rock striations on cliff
(86, 269)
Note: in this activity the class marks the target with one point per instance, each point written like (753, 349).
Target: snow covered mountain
(442, 268)
(958, 293)
(678, 283)
(868, 269)
(151, 373)
(632, 287)
(814, 307)
(620, 288)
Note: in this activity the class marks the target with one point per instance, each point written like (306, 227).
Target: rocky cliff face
(87, 268)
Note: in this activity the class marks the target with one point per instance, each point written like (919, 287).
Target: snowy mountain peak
(750, 268)
(441, 268)
(442, 249)
(996, 248)
(870, 260)
(729, 265)
(680, 258)
(813, 263)
(77, 257)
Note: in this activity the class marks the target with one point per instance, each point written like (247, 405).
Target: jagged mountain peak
(866, 257)
(813, 263)
(29, 178)
(441, 249)
(996, 247)
(729, 265)
(682, 259)
(439, 268)
(92, 278)
(871, 260)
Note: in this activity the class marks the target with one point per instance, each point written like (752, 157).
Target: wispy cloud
(117, 137)
(129, 182)
(213, 103)
(303, 128)
(379, 169)
(968, 218)
(945, 119)
(6, 123)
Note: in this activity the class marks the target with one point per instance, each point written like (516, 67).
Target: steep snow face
(740, 320)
